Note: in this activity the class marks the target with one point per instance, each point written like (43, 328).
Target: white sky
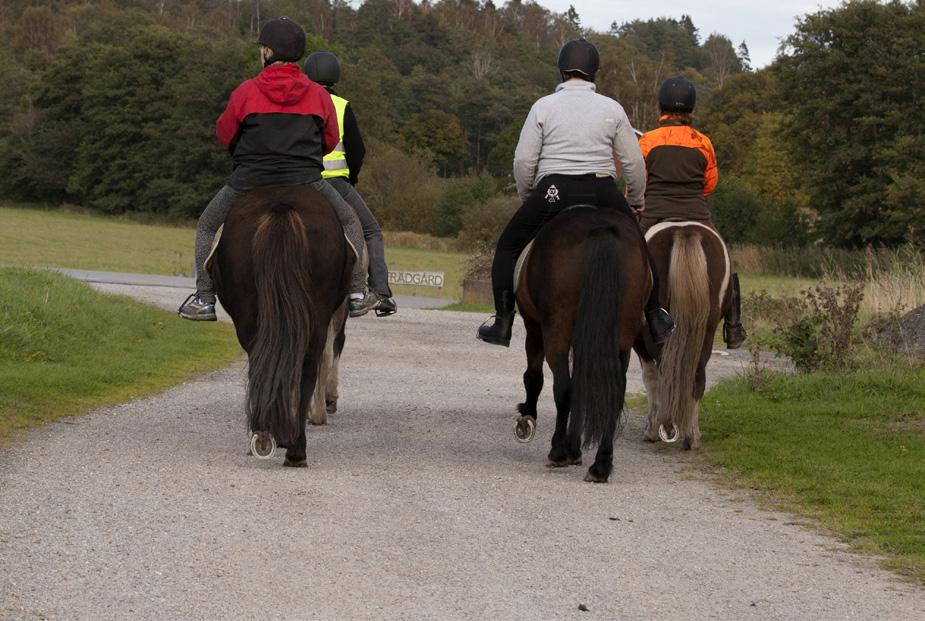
(762, 24)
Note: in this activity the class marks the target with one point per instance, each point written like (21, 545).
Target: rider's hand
(638, 209)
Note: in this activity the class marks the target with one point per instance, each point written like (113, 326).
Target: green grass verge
(65, 348)
(847, 449)
(55, 238)
(31, 237)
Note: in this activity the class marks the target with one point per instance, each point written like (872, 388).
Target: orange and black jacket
(681, 170)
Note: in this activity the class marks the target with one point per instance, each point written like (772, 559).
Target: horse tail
(689, 295)
(598, 377)
(277, 353)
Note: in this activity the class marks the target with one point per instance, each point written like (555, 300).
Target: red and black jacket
(278, 126)
(680, 170)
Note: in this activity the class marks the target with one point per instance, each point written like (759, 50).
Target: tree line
(111, 104)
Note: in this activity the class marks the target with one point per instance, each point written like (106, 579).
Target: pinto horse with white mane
(281, 270)
(693, 262)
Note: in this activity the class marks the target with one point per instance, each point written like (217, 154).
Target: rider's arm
(354, 149)
(527, 154)
(626, 146)
(324, 110)
(711, 174)
(226, 127)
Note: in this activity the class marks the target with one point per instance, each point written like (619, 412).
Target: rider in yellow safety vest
(342, 168)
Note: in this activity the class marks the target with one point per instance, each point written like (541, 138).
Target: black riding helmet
(285, 37)
(579, 55)
(323, 68)
(677, 94)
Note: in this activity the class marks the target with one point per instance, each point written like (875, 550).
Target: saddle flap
(520, 263)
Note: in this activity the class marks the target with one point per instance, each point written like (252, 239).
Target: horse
(693, 261)
(281, 269)
(581, 291)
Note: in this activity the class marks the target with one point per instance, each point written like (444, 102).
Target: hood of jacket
(283, 84)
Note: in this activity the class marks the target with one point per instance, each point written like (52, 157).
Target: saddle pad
(520, 263)
(218, 237)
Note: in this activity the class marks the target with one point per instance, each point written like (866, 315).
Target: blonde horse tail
(689, 299)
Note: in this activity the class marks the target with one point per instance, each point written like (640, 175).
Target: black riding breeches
(553, 194)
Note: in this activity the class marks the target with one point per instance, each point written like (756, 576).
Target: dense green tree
(440, 135)
(853, 79)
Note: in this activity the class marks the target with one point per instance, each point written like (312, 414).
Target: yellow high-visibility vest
(335, 162)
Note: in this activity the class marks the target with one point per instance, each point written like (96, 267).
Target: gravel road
(417, 504)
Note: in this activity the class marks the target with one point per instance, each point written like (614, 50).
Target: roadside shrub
(401, 188)
(482, 223)
(461, 196)
(820, 331)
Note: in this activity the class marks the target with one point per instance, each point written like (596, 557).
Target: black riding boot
(733, 331)
(499, 332)
(660, 322)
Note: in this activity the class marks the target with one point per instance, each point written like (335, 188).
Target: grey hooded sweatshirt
(575, 131)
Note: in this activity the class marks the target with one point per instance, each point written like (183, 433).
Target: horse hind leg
(332, 380)
(650, 379)
(318, 414)
(533, 381)
(692, 433)
(566, 440)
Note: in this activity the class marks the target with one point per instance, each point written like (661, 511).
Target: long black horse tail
(598, 378)
(277, 353)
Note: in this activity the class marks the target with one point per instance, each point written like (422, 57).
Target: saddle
(518, 266)
(218, 238)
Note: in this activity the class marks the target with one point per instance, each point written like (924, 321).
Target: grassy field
(65, 348)
(846, 449)
(54, 238)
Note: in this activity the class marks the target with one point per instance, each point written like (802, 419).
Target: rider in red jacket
(277, 127)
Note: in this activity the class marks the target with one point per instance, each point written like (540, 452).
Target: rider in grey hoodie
(565, 157)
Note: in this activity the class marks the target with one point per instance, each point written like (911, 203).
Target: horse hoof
(591, 477)
(331, 406)
(263, 445)
(296, 463)
(525, 429)
(664, 434)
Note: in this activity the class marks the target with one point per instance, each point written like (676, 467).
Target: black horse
(581, 292)
(282, 271)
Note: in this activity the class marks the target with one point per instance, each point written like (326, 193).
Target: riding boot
(499, 332)
(733, 331)
(660, 322)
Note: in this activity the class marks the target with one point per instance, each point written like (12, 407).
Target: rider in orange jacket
(681, 175)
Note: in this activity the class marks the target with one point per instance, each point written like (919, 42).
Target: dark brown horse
(694, 263)
(282, 270)
(581, 292)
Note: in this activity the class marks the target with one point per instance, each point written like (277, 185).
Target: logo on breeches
(552, 194)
